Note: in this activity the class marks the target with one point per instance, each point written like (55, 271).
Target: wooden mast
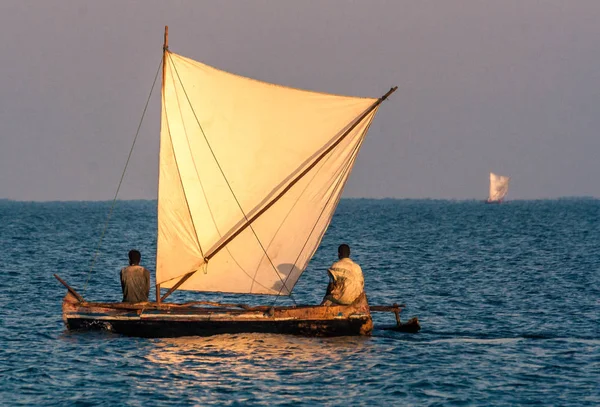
(164, 70)
(165, 50)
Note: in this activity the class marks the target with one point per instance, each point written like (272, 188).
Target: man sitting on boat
(346, 282)
(135, 279)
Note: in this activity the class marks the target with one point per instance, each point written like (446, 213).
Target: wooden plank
(176, 286)
(386, 308)
(71, 290)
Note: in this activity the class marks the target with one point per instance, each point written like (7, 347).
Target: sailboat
(498, 188)
(250, 174)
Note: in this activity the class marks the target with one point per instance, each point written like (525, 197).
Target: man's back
(348, 281)
(135, 282)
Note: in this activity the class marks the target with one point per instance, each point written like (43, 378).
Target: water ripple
(508, 296)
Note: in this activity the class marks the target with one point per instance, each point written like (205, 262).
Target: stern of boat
(362, 306)
(70, 305)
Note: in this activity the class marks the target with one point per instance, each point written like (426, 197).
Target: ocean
(508, 297)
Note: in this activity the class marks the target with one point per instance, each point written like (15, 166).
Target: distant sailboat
(498, 188)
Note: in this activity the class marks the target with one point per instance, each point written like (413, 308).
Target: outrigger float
(250, 174)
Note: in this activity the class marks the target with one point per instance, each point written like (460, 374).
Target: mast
(164, 70)
(165, 50)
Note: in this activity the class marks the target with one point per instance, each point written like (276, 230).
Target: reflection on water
(244, 350)
(259, 368)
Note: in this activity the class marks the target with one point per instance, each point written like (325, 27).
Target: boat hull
(151, 320)
(168, 329)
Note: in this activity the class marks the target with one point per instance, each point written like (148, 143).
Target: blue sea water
(508, 297)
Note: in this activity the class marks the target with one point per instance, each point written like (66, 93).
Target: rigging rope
(187, 203)
(343, 172)
(121, 181)
(225, 178)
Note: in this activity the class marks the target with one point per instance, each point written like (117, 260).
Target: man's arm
(122, 282)
(331, 283)
(147, 282)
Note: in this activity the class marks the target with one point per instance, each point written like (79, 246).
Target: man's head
(134, 257)
(343, 251)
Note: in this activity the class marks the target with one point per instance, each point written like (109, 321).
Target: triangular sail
(498, 187)
(229, 146)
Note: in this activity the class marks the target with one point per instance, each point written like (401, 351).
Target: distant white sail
(498, 187)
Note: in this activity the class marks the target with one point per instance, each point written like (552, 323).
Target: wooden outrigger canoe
(268, 218)
(204, 318)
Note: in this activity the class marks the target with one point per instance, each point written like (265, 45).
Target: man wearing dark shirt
(135, 279)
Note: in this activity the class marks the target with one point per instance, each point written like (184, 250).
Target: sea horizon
(560, 198)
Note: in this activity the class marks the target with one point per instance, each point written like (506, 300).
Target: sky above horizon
(511, 87)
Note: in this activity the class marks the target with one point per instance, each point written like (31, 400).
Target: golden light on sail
(233, 147)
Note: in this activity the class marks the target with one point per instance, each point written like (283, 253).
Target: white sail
(229, 146)
(498, 187)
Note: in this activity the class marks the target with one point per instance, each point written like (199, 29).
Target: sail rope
(187, 202)
(202, 188)
(310, 234)
(297, 178)
(348, 166)
(112, 207)
(225, 178)
(284, 220)
(344, 171)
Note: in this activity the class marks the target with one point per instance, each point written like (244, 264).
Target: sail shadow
(286, 270)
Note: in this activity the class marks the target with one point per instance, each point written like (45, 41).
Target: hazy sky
(506, 86)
